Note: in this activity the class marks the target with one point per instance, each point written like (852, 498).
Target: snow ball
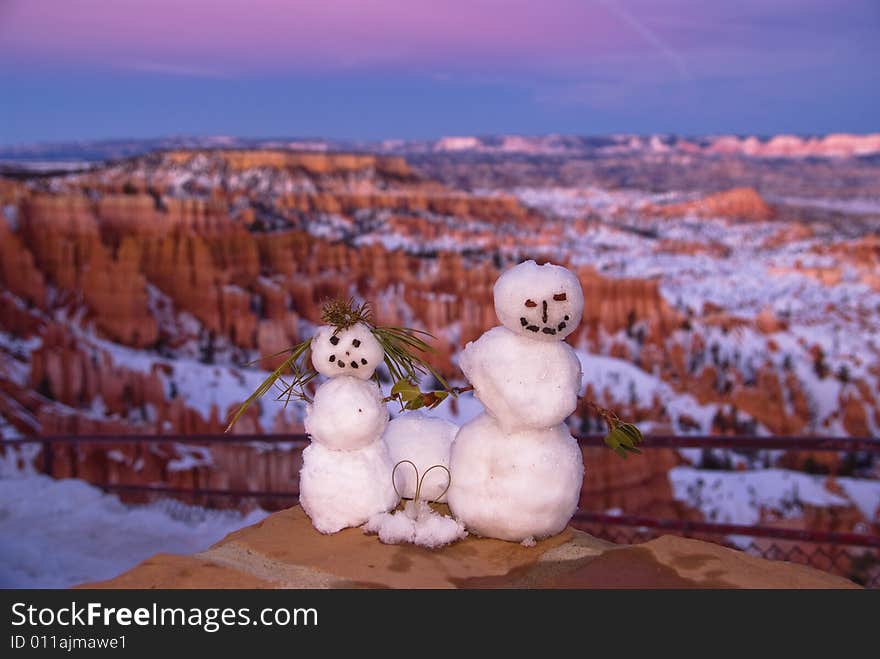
(353, 351)
(425, 441)
(522, 383)
(543, 302)
(416, 524)
(347, 414)
(341, 489)
(514, 486)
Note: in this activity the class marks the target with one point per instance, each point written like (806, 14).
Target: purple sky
(74, 69)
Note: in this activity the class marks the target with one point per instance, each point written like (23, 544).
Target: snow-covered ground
(58, 533)
(739, 497)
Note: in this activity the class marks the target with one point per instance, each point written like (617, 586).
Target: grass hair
(404, 355)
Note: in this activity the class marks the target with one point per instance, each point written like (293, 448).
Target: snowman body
(516, 470)
(346, 474)
(425, 441)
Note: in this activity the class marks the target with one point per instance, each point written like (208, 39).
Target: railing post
(48, 458)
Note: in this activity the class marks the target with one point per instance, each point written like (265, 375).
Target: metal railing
(854, 555)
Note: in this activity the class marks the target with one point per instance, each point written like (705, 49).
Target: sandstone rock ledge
(284, 551)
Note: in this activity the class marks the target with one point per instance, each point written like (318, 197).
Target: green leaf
(406, 390)
(415, 403)
(622, 439)
(632, 433)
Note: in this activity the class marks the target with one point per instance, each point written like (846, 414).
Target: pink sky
(359, 68)
(278, 35)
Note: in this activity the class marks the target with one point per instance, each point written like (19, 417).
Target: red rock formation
(863, 254)
(129, 257)
(18, 273)
(640, 486)
(315, 164)
(735, 204)
(710, 248)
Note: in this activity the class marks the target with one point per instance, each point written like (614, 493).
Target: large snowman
(346, 473)
(516, 469)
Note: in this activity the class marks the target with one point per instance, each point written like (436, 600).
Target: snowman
(346, 472)
(516, 469)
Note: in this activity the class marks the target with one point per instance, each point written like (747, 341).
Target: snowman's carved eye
(560, 297)
(340, 364)
(567, 318)
(356, 343)
(364, 362)
(531, 303)
(334, 340)
(332, 358)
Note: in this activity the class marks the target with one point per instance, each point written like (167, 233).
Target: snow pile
(425, 441)
(739, 497)
(864, 494)
(416, 524)
(58, 533)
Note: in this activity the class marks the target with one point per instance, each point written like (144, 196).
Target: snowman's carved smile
(548, 328)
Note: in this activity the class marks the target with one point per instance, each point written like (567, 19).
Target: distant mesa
(79, 153)
(836, 145)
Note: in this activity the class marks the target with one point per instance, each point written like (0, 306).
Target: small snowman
(516, 471)
(345, 477)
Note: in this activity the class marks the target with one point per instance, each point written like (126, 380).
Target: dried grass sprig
(343, 314)
(294, 389)
(405, 353)
(404, 356)
(412, 510)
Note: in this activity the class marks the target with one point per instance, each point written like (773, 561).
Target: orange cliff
(315, 164)
(736, 204)
(125, 258)
(253, 289)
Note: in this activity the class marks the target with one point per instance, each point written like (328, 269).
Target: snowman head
(353, 351)
(543, 302)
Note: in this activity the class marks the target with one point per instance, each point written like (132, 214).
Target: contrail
(650, 36)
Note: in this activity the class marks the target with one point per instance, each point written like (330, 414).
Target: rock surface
(284, 551)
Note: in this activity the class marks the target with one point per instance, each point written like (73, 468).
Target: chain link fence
(860, 564)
